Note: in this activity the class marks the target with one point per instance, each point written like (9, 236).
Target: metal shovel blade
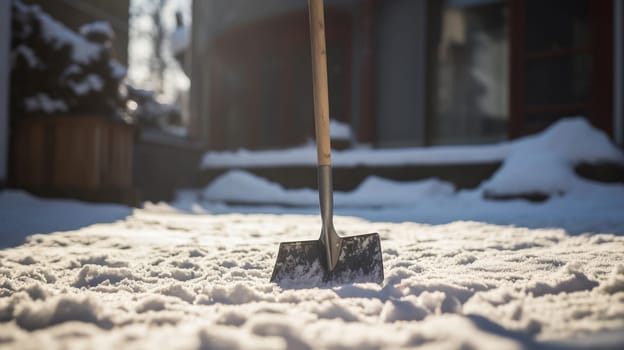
(305, 262)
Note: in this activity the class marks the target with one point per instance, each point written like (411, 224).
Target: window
(558, 61)
(469, 68)
(562, 63)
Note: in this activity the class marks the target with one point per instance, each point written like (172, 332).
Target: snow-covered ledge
(5, 40)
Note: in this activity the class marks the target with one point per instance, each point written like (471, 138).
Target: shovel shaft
(319, 81)
(329, 238)
(333, 257)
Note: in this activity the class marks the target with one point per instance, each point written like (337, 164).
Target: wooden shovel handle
(319, 81)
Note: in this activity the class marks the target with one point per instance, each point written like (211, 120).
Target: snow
(179, 39)
(100, 27)
(339, 130)
(72, 69)
(91, 82)
(55, 32)
(164, 278)
(238, 186)
(43, 102)
(118, 70)
(544, 163)
(595, 207)
(541, 164)
(573, 139)
(28, 54)
(461, 271)
(241, 186)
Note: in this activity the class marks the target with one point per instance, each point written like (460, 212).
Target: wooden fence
(87, 157)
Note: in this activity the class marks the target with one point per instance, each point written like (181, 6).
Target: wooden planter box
(84, 157)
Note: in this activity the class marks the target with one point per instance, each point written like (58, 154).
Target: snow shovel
(331, 258)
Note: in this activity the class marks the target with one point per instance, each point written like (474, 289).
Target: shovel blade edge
(300, 263)
(304, 262)
(360, 260)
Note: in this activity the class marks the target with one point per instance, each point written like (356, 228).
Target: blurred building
(405, 72)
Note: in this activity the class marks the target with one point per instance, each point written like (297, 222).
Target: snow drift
(544, 163)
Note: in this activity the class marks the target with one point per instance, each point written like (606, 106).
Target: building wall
(211, 19)
(400, 47)
(5, 41)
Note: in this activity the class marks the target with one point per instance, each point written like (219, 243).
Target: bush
(55, 70)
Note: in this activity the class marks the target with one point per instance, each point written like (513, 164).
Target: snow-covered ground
(165, 279)
(461, 271)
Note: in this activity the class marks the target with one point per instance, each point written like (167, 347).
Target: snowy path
(163, 279)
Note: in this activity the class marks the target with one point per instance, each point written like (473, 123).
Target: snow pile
(55, 70)
(379, 192)
(544, 163)
(541, 163)
(241, 187)
(164, 279)
(339, 130)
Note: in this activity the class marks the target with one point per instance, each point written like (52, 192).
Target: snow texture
(541, 164)
(166, 279)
